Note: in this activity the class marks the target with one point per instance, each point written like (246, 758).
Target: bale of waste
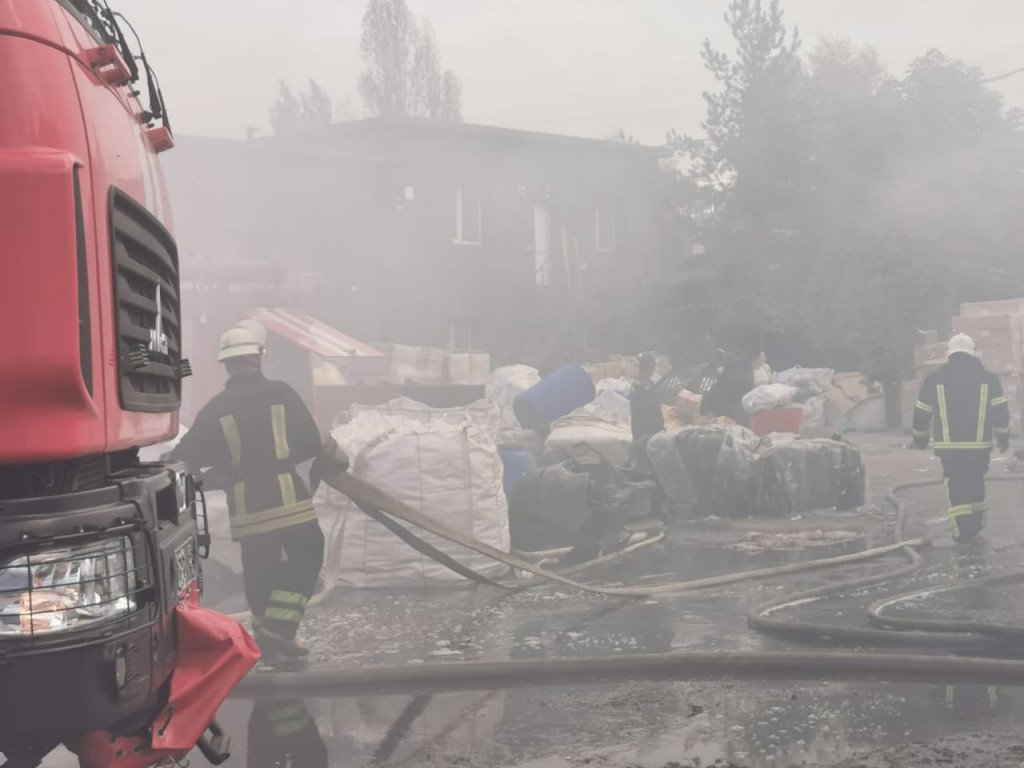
(588, 434)
(802, 475)
(712, 469)
(451, 472)
(584, 505)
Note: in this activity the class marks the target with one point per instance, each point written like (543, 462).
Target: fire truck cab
(97, 549)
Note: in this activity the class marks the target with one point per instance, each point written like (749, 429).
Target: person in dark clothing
(645, 414)
(962, 407)
(283, 734)
(252, 436)
(725, 398)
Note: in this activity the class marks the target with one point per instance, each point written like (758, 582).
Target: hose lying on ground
(1006, 632)
(939, 669)
(363, 493)
(952, 635)
(760, 665)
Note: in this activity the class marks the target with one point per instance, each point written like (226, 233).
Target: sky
(578, 67)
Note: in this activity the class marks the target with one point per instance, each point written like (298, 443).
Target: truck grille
(145, 271)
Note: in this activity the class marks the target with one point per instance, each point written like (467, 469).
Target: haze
(581, 67)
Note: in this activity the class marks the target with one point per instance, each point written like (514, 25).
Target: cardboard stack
(997, 327)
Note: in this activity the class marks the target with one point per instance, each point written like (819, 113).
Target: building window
(604, 224)
(544, 268)
(467, 216)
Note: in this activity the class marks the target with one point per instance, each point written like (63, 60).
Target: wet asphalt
(668, 724)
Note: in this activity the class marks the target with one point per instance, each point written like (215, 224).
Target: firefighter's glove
(1004, 443)
(334, 456)
(332, 461)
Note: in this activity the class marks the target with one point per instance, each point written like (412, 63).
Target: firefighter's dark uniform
(962, 407)
(253, 434)
(282, 734)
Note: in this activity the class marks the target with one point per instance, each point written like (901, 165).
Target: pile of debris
(828, 401)
(997, 328)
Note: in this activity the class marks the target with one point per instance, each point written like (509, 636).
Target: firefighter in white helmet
(963, 409)
(252, 436)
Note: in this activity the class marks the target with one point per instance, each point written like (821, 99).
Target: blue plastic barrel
(554, 396)
(517, 463)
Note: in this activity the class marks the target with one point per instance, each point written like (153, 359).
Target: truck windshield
(95, 16)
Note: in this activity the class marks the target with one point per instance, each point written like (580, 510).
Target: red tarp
(214, 653)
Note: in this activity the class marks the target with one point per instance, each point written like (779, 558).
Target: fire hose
(765, 665)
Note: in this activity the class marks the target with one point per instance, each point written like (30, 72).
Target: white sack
(613, 398)
(821, 378)
(505, 385)
(587, 433)
(769, 396)
(482, 413)
(451, 473)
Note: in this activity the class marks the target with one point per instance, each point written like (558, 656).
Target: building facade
(530, 246)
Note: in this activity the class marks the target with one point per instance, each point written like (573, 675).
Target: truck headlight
(60, 590)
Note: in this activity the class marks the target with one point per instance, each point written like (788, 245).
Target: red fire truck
(100, 634)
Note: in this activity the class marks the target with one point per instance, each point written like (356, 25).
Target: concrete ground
(671, 724)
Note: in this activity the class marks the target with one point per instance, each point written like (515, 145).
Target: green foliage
(845, 206)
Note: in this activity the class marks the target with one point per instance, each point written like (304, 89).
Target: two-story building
(530, 246)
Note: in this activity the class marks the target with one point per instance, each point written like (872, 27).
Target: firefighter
(963, 407)
(252, 436)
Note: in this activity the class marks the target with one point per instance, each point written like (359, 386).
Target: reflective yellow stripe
(921, 433)
(920, 405)
(982, 411)
(998, 401)
(943, 413)
(289, 711)
(239, 495)
(287, 484)
(230, 428)
(949, 696)
(287, 598)
(288, 728)
(271, 520)
(283, 614)
(993, 696)
(961, 509)
(962, 446)
(277, 419)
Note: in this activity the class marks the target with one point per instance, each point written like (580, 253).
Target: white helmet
(961, 343)
(239, 342)
(256, 327)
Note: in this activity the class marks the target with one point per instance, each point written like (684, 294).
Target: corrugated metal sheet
(310, 333)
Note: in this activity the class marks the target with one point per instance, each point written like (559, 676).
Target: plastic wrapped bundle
(803, 475)
(712, 468)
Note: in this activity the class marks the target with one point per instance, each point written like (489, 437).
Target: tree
(286, 112)
(401, 66)
(844, 206)
(293, 113)
(316, 107)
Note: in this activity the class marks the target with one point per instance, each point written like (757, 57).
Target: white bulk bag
(451, 473)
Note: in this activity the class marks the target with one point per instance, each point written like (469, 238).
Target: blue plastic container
(554, 396)
(517, 463)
